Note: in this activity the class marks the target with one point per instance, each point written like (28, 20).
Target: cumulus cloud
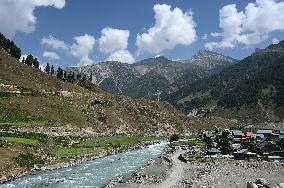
(248, 27)
(82, 47)
(18, 15)
(54, 43)
(123, 56)
(50, 55)
(113, 39)
(171, 28)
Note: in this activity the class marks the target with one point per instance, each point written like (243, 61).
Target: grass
(74, 151)
(21, 140)
(191, 143)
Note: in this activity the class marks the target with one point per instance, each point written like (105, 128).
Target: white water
(90, 174)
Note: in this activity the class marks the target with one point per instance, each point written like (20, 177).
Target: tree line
(10, 47)
(81, 79)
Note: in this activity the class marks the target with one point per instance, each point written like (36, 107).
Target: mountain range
(207, 85)
(154, 77)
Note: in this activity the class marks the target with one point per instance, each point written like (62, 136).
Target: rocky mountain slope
(149, 77)
(33, 100)
(251, 89)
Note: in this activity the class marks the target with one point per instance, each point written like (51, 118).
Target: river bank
(95, 173)
(171, 172)
(11, 171)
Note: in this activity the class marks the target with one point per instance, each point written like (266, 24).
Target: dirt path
(176, 173)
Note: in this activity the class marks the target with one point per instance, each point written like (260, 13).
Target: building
(281, 134)
(213, 151)
(265, 133)
(237, 133)
(244, 154)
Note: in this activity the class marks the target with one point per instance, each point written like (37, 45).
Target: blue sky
(64, 20)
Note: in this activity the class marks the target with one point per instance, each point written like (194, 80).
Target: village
(232, 158)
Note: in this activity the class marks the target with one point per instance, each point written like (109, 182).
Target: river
(90, 174)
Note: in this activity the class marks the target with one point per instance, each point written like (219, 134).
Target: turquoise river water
(90, 174)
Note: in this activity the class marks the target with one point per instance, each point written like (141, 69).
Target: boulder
(263, 182)
(251, 184)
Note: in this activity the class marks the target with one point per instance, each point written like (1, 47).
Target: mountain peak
(155, 60)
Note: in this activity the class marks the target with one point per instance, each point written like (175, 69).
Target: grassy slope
(46, 101)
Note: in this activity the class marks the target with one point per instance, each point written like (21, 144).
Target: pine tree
(29, 60)
(65, 75)
(47, 68)
(59, 73)
(52, 70)
(36, 63)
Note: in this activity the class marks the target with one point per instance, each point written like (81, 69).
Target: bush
(28, 160)
(174, 137)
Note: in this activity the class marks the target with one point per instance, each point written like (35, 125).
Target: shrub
(174, 137)
(28, 160)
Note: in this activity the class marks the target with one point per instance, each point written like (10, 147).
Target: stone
(262, 181)
(251, 184)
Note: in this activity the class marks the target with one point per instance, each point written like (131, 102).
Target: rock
(262, 181)
(281, 185)
(251, 185)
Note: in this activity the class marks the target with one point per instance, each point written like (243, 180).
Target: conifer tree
(47, 68)
(59, 73)
(52, 70)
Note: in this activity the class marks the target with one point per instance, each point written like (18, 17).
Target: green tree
(224, 142)
(36, 63)
(47, 68)
(52, 70)
(29, 60)
(59, 74)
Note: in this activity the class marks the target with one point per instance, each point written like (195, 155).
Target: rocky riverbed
(222, 174)
(231, 174)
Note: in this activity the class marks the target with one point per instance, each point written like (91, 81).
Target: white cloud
(123, 56)
(113, 39)
(251, 26)
(205, 37)
(171, 28)
(51, 55)
(82, 48)
(275, 41)
(18, 15)
(54, 43)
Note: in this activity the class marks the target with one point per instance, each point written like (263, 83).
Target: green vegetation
(174, 137)
(20, 140)
(10, 47)
(28, 160)
(246, 90)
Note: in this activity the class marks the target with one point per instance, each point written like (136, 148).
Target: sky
(76, 32)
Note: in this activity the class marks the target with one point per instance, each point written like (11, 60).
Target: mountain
(37, 102)
(146, 78)
(252, 89)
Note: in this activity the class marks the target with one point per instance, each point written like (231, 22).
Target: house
(274, 158)
(213, 151)
(277, 153)
(244, 154)
(247, 136)
(237, 133)
(265, 133)
(281, 134)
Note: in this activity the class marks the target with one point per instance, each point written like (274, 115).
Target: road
(176, 172)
